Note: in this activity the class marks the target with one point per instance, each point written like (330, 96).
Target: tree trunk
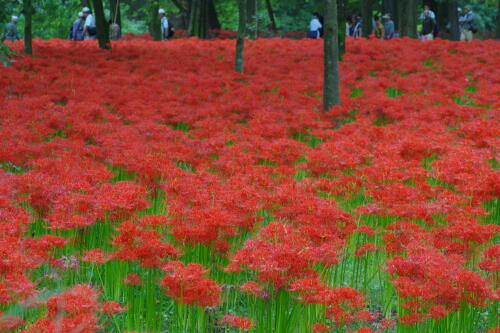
(453, 17)
(84, 3)
(497, 35)
(213, 19)
(408, 18)
(270, 12)
(154, 26)
(341, 22)
(240, 40)
(331, 85)
(102, 25)
(367, 13)
(252, 19)
(198, 22)
(389, 7)
(28, 35)
(115, 12)
(442, 11)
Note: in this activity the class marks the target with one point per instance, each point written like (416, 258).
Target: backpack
(171, 30)
(473, 27)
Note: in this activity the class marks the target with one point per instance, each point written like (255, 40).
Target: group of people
(84, 27)
(384, 27)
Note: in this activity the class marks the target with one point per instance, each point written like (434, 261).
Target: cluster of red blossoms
(246, 168)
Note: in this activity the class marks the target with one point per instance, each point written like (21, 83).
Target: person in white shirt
(163, 24)
(315, 27)
(432, 15)
(89, 28)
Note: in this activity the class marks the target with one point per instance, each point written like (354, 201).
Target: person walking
(89, 27)
(315, 27)
(379, 30)
(77, 28)
(163, 24)
(428, 27)
(388, 27)
(467, 25)
(11, 32)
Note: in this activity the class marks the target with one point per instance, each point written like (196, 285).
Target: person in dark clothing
(11, 32)
(428, 27)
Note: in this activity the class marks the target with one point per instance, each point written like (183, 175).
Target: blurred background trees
(52, 18)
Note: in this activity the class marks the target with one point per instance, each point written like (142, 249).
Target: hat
(86, 10)
(15, 18)
(386, 16)
(80, 14)
(161, 11)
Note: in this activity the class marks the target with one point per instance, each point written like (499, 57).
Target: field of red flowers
(152, 189)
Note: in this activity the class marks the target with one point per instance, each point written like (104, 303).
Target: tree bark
(443, 11)
(252, 19)
(240, 40)
(115, 12)
(102, 25)
(213, 19)
(154, 21)
(331, 85)
(272, 19)
(341, 22)
(28, 35)
(198, 22)
(367, 14)
(453, 17)
(408, 18)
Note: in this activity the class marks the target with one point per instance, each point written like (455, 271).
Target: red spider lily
(133, 279)
(96, 256)
(244, 324)
(111, 308)
(188, 284)
(491, 262)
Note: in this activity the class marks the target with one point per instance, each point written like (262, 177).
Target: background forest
(52, 18)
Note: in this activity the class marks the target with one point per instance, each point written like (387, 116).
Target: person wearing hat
(89, 28)
(315, 27)
(77, 28)
(467, 25)
(163, 24)
(388, 27)
(11, 32)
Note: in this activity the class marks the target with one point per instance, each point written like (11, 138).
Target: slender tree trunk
(453, 17)
(28, 35)
(341, 22)
(398, 14)
(240, 40)
(270, 12)
(213, 19)
(102, 25)
(115, 12)
(198, 22)
(154, 26)
(442, 12)
(408, 18)
(367, 13)
(389, 7)
(252, 19)
(84, 3)
(331, 92)
(498, 22)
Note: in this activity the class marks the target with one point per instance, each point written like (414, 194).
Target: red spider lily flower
(320, 328)
(10, 323)
(243, 323)
(133, 279)
(491, 262)
(96, 256)
(188, 284)
(252, 288)
(364, 249)
(111, 308)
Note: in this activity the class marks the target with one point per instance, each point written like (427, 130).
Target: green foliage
(5, 55)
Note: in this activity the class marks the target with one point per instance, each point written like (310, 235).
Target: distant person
(315, 27)
(89, 28)
(115, 31)
(379, 30)
(77, 28)
(355, 28)
(432, 15)
(388, 27)
(428, 27)
(467, 24)
(11, 32)
(163, 24)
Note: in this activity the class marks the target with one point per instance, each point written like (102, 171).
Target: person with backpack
(164, 24)
(11, 32)
(89, 27)
(76, 33)
(315, 27)
(428, 27)
(467, 23)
